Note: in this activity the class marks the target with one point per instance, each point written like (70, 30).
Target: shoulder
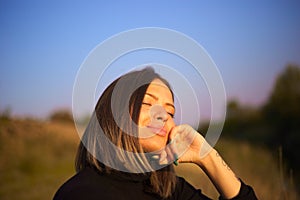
(79, 186)
(246, 193)
(184, 190)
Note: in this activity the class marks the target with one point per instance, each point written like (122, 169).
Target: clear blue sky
(43, 43)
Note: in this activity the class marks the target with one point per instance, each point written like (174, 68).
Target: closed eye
(147, 104)
(171, 114)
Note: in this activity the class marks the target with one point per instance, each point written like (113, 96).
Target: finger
(163, 158)
(170, 154)
(173, 147)
(176, 130)
(183, 139)
(173, 132)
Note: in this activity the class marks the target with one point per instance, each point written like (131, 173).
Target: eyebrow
(156, 98)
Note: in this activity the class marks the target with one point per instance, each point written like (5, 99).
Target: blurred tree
(5, 114)
(282, 113)
(62, 116)
(243, 122)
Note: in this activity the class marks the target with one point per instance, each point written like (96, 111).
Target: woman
(131, 140)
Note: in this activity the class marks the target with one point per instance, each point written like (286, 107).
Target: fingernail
(155, 157)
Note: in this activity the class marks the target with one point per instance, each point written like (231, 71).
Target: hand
(191, 146)
(186, 145)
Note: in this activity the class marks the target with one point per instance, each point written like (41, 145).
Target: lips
(158, 130)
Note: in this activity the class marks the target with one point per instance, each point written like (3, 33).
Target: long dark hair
(95, 149)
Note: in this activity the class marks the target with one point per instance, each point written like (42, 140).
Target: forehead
(159, 88)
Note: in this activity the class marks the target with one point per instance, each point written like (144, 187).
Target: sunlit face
(158, 96)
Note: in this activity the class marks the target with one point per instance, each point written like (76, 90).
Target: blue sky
(43, 43)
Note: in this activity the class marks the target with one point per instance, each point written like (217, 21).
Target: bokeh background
(255, 45)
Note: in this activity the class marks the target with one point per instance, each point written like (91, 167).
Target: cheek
(144, 118)
(170, 124)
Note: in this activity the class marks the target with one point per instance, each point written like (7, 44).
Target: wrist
(207, 159)
(221, 175)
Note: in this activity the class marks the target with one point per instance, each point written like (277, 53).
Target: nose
(158, 114)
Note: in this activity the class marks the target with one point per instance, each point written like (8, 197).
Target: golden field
(37, 157)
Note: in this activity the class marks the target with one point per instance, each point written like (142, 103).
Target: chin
(152, 146)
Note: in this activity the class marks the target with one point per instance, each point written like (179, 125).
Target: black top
(88, 184)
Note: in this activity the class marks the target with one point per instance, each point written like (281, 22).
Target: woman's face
(156, 116)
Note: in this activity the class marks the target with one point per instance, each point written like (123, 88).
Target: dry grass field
(37, 157)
